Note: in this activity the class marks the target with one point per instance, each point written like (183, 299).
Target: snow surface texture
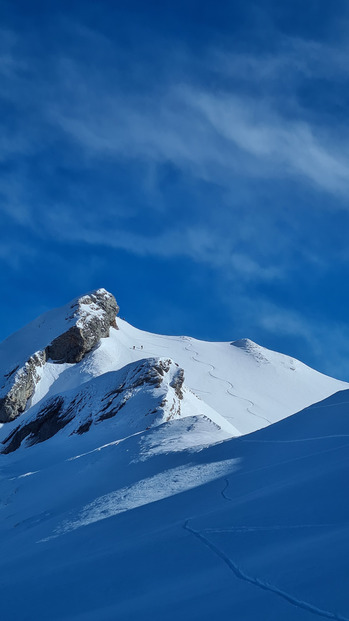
(141, 394)
(124, 494)
(251, 387)
(247, 384)
(254, 527)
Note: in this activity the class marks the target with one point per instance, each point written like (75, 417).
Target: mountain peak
(66, 347)
(93, 315)
(64, 335)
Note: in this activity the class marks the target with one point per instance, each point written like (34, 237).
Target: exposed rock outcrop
(158, 382)
(177, 383)
(23, 385)
(96, 313)
(89, 319)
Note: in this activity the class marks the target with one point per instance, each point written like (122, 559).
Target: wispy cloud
(197, 243)
(214, 136)
(215, 157)
(279, 147)
(244, 125)
(215, 133)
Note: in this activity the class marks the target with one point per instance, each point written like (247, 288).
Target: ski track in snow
(181, 479)
(222, 379)
(226, 485)
(191, 350)
(258, 582)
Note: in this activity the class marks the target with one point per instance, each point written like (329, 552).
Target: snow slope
(142, 394)
(251, 528)
(124, 495)
(247, 384)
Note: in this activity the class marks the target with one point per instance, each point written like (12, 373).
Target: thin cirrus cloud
(198, 244)
(213, 136)
(246, 120)
(139, 147)
(219, 135)
(212, 133)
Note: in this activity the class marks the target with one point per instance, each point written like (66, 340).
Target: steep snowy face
(63, 335)
(139, 396)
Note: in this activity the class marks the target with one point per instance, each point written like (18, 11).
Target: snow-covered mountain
(129, 488)
(248, 385)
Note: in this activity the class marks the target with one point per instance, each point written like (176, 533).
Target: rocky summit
(86, 320)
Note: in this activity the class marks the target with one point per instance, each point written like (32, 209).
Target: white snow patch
(158, 487)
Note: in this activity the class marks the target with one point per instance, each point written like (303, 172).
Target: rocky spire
(87, 320)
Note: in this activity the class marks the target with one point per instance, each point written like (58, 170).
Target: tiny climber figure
(141, 346)
(134, 347)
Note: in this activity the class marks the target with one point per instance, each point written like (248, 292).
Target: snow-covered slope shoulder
(250, 386)
(142, 394)
(64, 335)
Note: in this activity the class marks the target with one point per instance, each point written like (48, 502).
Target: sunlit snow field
(214, 514)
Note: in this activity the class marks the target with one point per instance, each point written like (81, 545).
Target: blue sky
(191, 157)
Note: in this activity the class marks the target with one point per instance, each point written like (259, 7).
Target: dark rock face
(68, 347)
(44, 426)
(22, 388)
(94, 315)
(89, 407)
(51, 418)
(98, 312)
(177, 383)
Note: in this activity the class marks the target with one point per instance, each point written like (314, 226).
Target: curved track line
(265, 586)
(221, 379)
(226, 481)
